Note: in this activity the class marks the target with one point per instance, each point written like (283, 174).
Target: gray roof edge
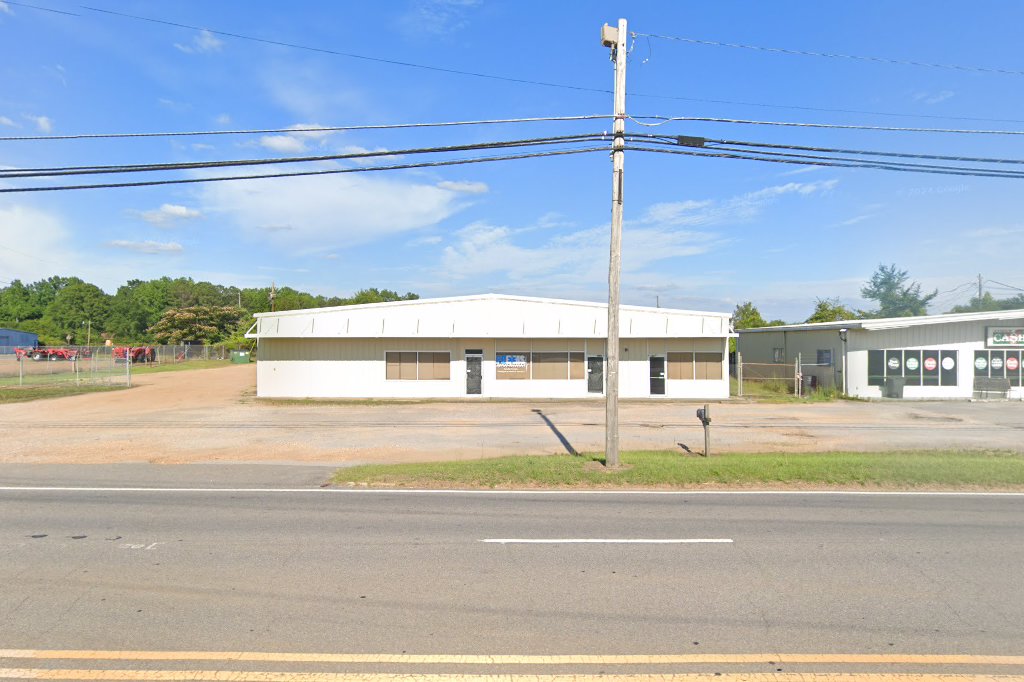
(896, 322)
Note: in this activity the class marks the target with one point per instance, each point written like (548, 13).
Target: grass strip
(23, 394)
(673, 470)
(183, 366)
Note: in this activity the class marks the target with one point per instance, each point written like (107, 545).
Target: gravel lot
(213, 415)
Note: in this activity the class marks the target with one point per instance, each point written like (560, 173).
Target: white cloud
(168, 214)
(300, 140)
(283, 144)
(202, 147)
(988, 232)
(43, 123)
(223, 120)
(933, 97)
(202, 43)
(149, 247)
(48, 252)
(5, 8)
(482, 248)
(7, 122)
(855, 220)
(466, 187)
(428, 240)
(328, 211)
(738, 209)
(437, 17)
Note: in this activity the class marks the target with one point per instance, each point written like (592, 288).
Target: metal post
(616, 40)
(128, 364)
(796, 376)
(707, 431)
(739, 374)
(21, 370)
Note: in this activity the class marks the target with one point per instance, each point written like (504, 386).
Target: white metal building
(932, 356)
(489, 345)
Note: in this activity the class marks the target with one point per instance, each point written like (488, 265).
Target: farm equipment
(53, 354)
(134, 353)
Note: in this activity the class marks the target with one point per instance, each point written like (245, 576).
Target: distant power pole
(615, 38)
(273, 295)
(979, 289)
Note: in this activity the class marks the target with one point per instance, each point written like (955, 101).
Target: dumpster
(240, 357)
(893, 387)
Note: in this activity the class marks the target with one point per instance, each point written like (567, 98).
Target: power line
(41, 9)
(525, 81)
(197, 165)
(351, 55)
(662, 120)
(889, 165)
(904, 155)
(836, 55)
(298, 130)
(878, 165)
(1008, 286)
(335, 171)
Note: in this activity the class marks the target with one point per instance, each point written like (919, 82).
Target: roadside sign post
(704, 415)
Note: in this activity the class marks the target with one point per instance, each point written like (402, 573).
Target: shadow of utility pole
(554, 429)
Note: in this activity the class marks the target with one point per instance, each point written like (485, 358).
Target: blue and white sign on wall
(510, 362)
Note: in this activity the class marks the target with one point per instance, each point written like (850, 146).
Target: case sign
(1004, 337)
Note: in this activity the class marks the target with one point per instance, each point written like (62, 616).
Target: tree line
(893, 291)
(68, 310)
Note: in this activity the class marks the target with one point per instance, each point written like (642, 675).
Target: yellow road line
(476, 659)
(239, 676)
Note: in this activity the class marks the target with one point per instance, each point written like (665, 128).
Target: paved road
(318, 570)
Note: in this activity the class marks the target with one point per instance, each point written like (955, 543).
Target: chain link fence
(781, 378)
(24, 366)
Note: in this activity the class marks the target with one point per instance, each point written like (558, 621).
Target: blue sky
(699, 233)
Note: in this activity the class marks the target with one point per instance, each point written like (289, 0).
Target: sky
(699, 233)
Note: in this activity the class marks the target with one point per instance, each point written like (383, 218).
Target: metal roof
(896, 322)
(487, 316)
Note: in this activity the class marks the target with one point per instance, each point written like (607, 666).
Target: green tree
(378, 296)
(16, 304)
(896, 297)
(988, 303)
(74, 305)
(136, 307)
(198, 324)
(747, 316)
(830, 310)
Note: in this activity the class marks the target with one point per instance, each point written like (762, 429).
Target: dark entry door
(474, 365)
(657, 375)
(595, 374)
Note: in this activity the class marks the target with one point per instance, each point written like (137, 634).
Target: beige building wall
(357, 368)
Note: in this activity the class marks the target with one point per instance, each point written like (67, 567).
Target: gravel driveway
(212, 415)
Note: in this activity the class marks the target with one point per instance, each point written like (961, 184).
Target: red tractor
(135, 353)
(54, 354)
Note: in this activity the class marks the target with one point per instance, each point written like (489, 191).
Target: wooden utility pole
(615, 38)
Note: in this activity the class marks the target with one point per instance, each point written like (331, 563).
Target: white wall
(343, 368)
(963, 337)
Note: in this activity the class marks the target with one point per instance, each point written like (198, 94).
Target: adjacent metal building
(13, 338)
(491, 346)
(964, 355)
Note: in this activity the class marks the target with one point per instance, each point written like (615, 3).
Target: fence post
(739, 374)
(21, 370)
(796, 376)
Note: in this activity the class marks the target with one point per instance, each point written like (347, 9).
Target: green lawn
(58, 385)
(21, 394)
(156, 368)
(887, 470)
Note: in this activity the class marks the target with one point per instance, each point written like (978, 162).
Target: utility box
(240, 357)
(893, 387)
